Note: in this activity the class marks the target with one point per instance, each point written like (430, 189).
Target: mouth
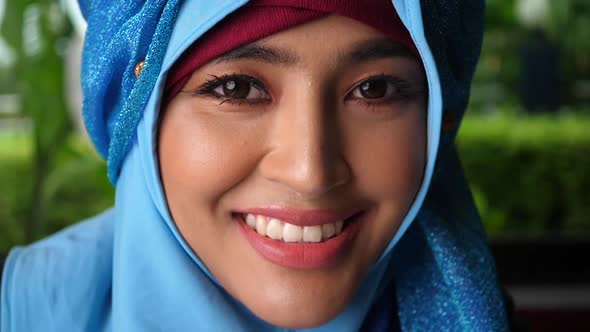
(280, 230)
(299, 239)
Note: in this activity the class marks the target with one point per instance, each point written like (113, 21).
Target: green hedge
(530, 175)
(76, 189)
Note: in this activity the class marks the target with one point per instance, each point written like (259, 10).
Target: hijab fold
(129, 269)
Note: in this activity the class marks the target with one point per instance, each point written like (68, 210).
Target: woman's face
(289, 164)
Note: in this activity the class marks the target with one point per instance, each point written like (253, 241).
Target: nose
(306, 154)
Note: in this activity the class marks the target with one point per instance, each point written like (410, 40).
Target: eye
(235, 88)
(239, 89)
(375, 88)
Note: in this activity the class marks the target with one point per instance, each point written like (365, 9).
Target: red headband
(261, 18)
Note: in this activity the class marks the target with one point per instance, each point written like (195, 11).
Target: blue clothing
(129, 269)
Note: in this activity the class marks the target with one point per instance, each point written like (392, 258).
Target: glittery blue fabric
(449, 280)
(120, 35)
(121, 271)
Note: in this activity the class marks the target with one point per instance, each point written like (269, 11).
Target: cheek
(202, 156)
(389, 159)
(389, 164)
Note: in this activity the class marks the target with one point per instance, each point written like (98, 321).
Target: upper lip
(303, 217)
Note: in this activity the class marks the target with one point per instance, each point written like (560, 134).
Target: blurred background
(525, 144)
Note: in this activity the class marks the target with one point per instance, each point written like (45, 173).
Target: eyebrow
(260, 53)
(364, 51)
(376, 49)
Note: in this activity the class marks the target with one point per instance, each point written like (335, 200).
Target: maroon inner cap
(260, 18)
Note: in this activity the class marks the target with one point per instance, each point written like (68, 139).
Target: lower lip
(303, 255)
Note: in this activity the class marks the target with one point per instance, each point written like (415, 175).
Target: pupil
(238, 89)
(374, 89)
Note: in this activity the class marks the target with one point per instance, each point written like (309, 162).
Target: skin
(309, 141)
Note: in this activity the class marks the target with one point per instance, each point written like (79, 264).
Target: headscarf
(129, 269)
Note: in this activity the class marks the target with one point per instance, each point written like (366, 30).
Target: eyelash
(208, 88)
(404, 90)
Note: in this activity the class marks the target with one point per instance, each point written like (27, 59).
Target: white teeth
(251, 220)
(312, 233)
(279, 230)
(292, 233)
(274, 229)
(328, 230)
(261, 225)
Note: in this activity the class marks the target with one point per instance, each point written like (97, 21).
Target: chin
(295, 309)
(296, 298)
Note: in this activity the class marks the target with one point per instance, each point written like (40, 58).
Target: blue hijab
(129, 269)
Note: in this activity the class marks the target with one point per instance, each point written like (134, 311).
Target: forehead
(342, 39)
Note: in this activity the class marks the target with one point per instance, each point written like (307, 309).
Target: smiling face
(289, 164)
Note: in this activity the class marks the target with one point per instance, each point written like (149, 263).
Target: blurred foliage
(499, 73)
(529, 174)
(501, 13)
(76, 188)
(37, 31)
(569, 25)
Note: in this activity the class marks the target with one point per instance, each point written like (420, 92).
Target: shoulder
(68, 249)
(69, 269)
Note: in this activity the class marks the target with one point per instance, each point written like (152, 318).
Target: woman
(278, 165)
